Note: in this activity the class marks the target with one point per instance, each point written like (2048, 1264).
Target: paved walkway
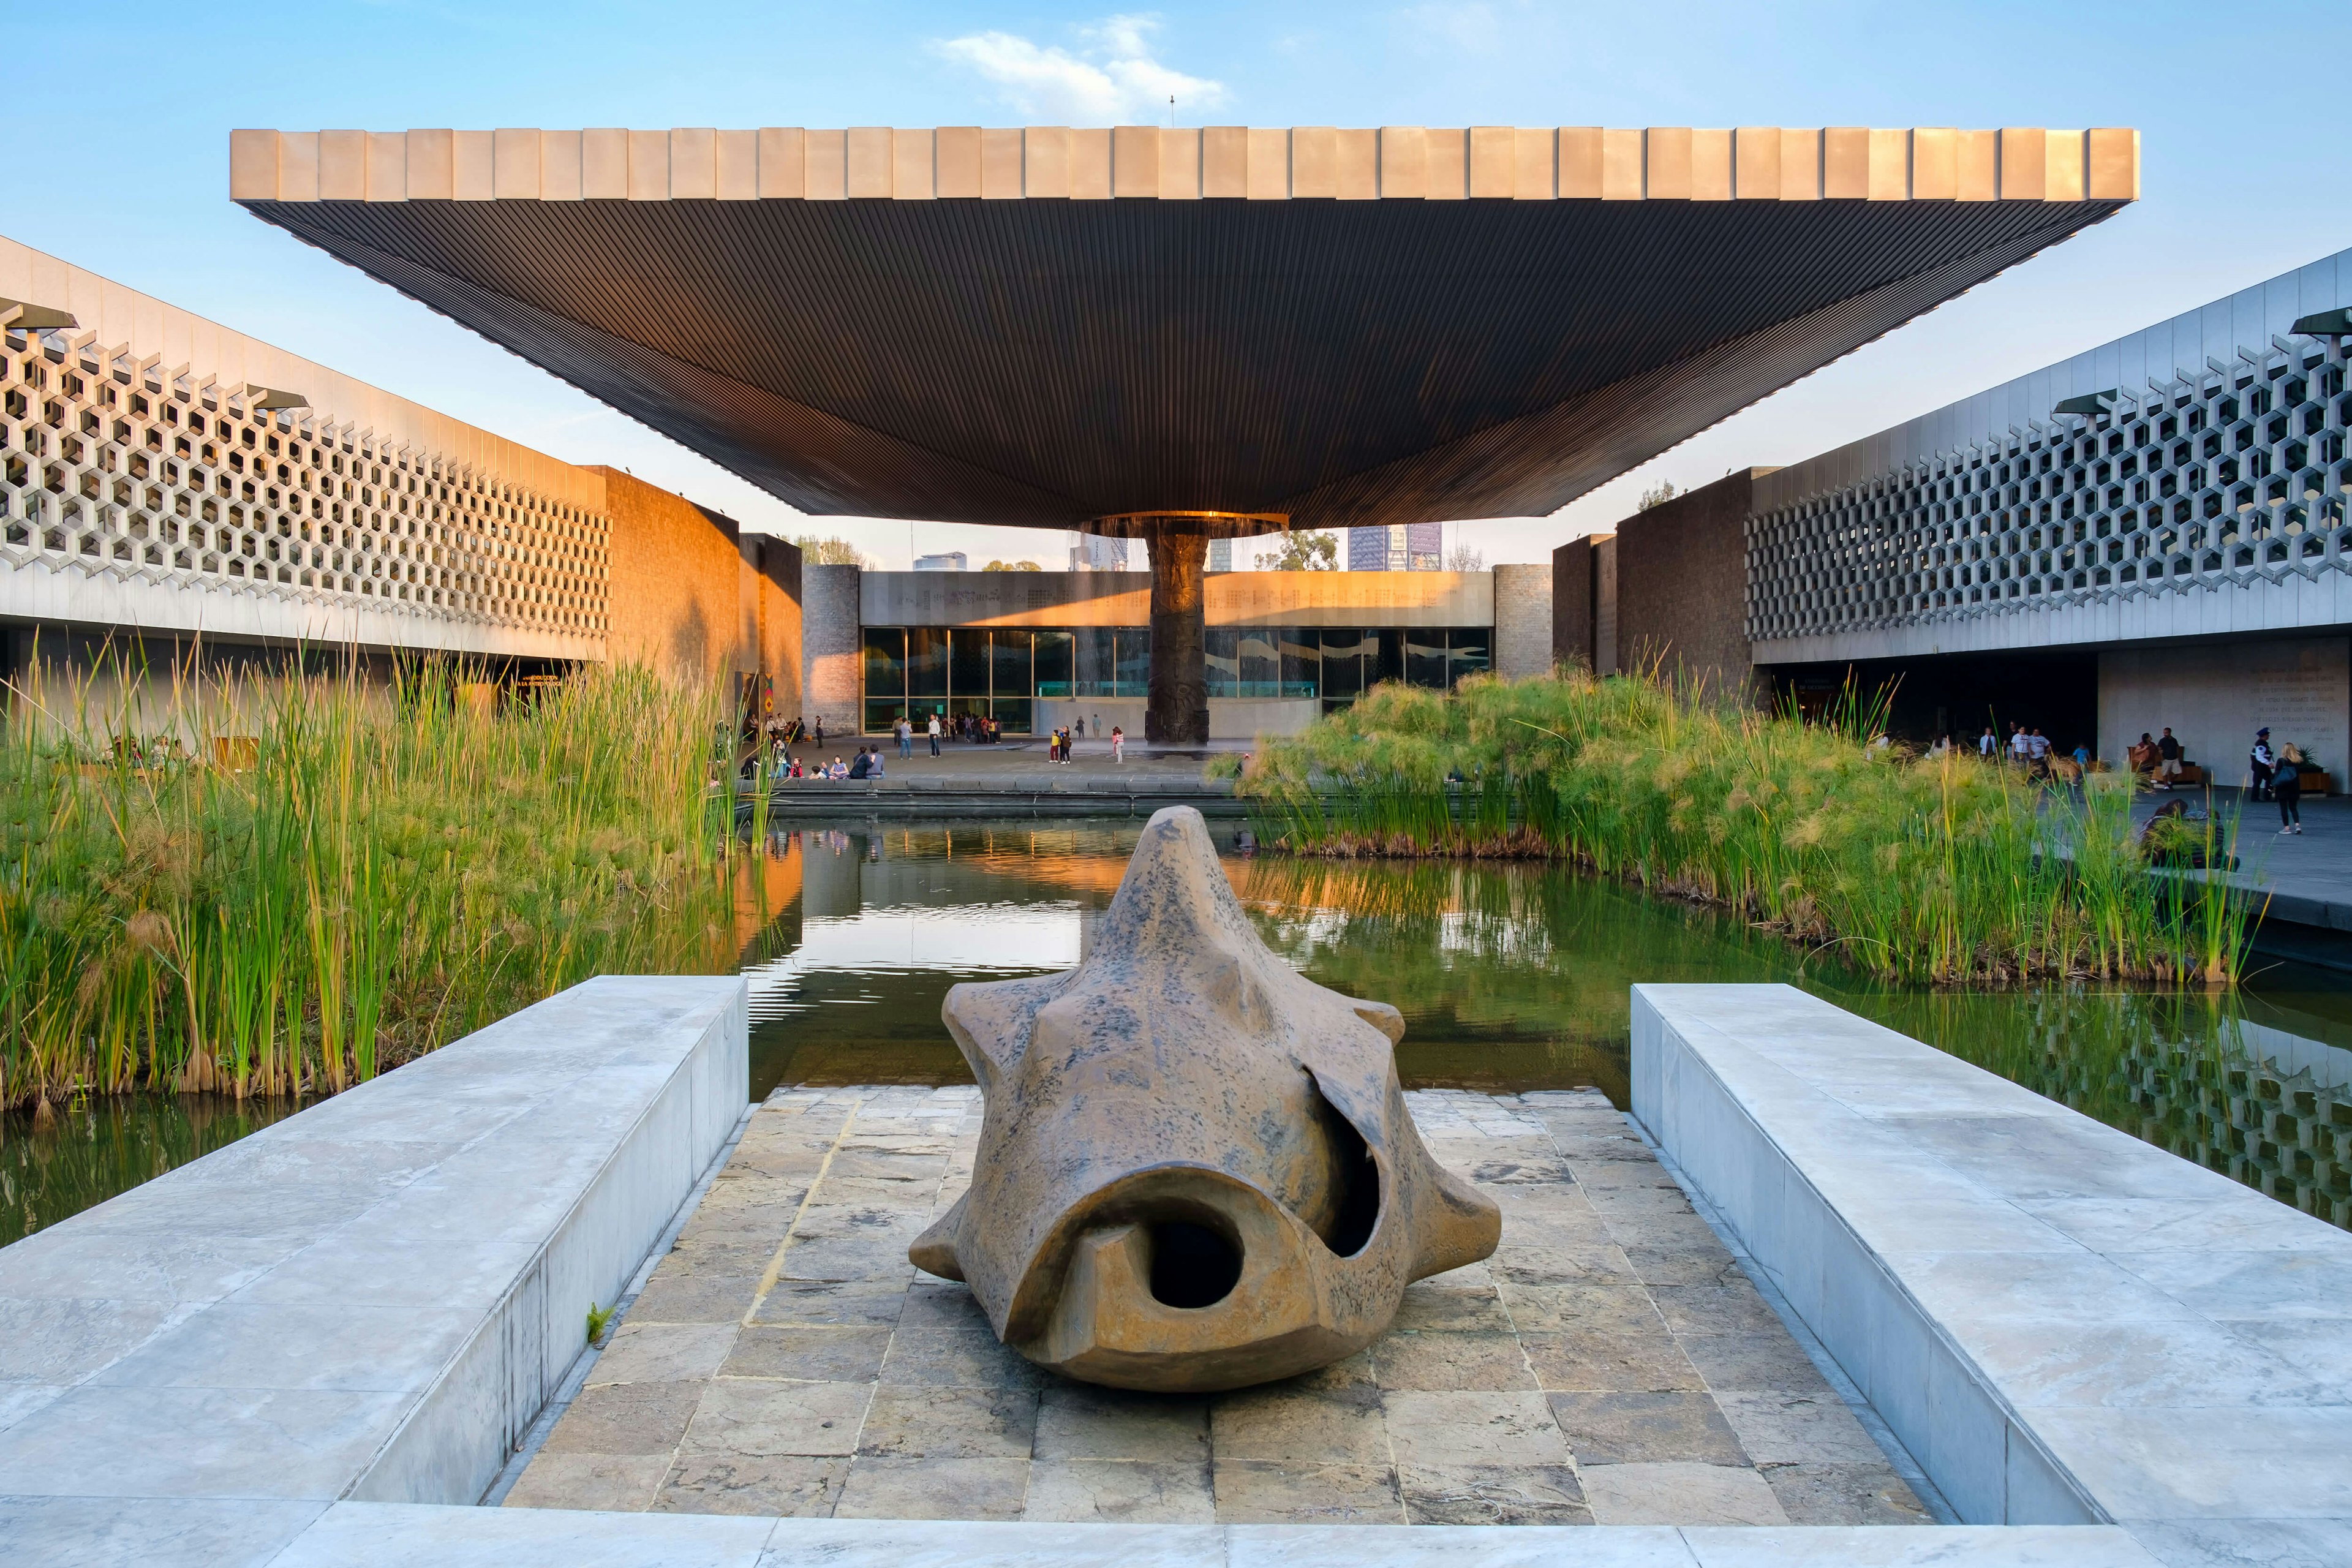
(2308, 874)
(1611, 1365)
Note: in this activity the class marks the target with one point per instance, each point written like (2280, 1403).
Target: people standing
(1986, 743)
(2287, 789)
(935, 734)
(2021, 745)
(2167, 760)
(1081, 726)
(2262, 764)
(906, 738)
(1117, 744)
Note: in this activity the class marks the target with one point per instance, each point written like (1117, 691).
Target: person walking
(2021, 745)
(1117, 744)
(2286, 788)
(2263, 764)
(1987, 742)
(2167, 760)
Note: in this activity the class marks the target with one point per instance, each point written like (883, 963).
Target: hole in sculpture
(1355, 1180)
(1192, 1265)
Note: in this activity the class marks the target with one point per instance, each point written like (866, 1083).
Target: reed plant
(285, 883)
(1942, 870)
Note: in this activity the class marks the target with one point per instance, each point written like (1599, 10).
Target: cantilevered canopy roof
(1050, 327)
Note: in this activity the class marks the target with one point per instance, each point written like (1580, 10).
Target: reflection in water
(1508, 976)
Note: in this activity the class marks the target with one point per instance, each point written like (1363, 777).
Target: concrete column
(1178, 711)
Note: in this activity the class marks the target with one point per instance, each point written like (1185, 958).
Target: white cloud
(1111, 78)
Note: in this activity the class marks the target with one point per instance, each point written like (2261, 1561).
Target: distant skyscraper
(1399, 547)
(953, 560)
(1093, 552)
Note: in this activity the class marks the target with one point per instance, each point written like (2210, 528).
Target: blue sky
(113, 155)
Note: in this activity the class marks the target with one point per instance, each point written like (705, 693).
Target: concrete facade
(1681, 586)
(1523, 620)
(2215, 697)
(830, 679)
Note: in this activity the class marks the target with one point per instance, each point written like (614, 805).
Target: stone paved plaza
(1610, 1363)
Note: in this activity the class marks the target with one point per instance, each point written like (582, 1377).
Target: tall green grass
(1942, 870)
(287, 883)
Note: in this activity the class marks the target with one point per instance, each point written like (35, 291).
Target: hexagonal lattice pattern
(110, 466)
(2235, 474)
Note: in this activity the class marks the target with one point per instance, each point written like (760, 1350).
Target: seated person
(861, 767)
(874, 762)
(840, 770)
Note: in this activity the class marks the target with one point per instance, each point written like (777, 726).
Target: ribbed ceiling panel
(1045, 362)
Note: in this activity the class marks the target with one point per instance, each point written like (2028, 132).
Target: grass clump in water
(1945, 870)
(304, 879)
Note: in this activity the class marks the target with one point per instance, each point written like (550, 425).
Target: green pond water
(1509, 977)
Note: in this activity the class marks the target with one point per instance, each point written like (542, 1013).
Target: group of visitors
(2157, 761)
(2033, 751)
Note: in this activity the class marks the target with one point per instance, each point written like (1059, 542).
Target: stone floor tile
(1733, 1309)
(626, 1418)
(957, 1358)
(762, 1419)
(1640, 1429)
(716, 1287)
(1679, 1494)
(1438, 1430)
(1798, 1429)
(1753, 1363)
(1252, 1492)
(942, 1304)
(1118, 1492)
(1844, 1494)
(1484, 1494)
(784, 1486)
(1434, 1306)
(1451, 1362)
(851, 1259)
(739, 1224)
(1290, 1424)
(832, 1301)
(1553, 1309)
(951, 1424)
(1596, 1362)
(1075, 1421)
(1582, 1263)
(809, 1352)
(663, 1353)
(613, 1483)
(887, 1487)
(1694, 1264)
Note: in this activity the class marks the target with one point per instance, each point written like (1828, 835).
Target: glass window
(1470, 651)
(885, 662)
(927, 661)
(1009, 662)
(1345, 654)
(881, 716)
(1221, 649)
(1134, 666)
(959, 706)
(1092, 654)
(968, 664)
(1013, 713)
(1424, 658)
(1055, 654)
(1302, 662)
(1387, 662)
(1261, 664)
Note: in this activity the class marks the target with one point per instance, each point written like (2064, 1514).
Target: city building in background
(949, 561)
(1398, 547)
(2150, 534)
(1093, 552)
(187, 495)
(1221, 555)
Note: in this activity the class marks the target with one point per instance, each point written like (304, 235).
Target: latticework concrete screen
(2202, 477)
(124, 472)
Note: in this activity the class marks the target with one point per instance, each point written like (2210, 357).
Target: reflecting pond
(1509, 977)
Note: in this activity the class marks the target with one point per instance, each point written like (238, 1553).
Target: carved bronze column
(1178, 711)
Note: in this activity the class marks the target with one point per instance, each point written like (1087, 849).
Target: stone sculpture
(1196, 1170)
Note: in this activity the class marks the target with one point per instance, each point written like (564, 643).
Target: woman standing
(2286, 787)
(1117, 744)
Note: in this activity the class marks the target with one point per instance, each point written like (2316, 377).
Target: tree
(815, 551)
(1308, 551)
(1465, 559)
(1664, 493)
(1013, 566)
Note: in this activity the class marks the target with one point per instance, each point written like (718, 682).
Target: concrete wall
(1681, 586)
(771, 577)
(1571, 603)
(1604, 603)
(1246, 718)
(677, 592)
(1100, 714)
(2216, 694)
(1229, 599)
(1523, 621)
(830, 681)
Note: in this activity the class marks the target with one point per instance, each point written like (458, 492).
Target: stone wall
(771, 596)
(1571, 603)
(1604, 603)
(1681, 586)
(675, 588)
(829, 642)
(1523, 621)
(2214, 695)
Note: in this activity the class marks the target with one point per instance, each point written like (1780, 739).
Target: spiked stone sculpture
(1196, 1169)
